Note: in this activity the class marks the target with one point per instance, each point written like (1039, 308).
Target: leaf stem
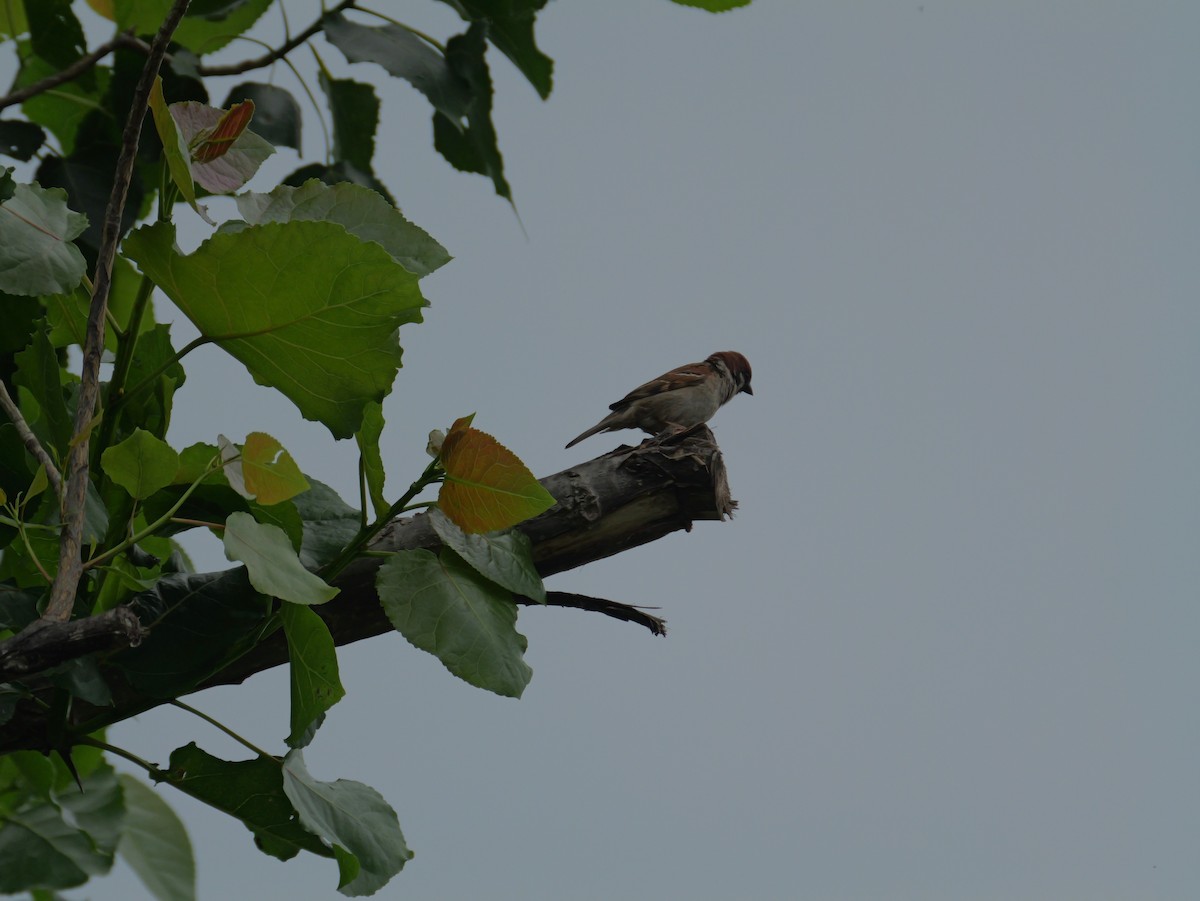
(149, 380)
(433, 473)
(125, 351)
(121, 752)
(208, 719)
(153, 527)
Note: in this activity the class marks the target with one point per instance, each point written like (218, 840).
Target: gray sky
(947, 648)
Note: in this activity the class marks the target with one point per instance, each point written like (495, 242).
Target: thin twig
(71, 72)
(30, 440)
(283, 50)
(70, 566)
(624, 612)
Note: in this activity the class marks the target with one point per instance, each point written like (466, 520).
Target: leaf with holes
(271, 475)
(310, 309)
(487, 487)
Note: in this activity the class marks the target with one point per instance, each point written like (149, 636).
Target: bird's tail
(604, 425)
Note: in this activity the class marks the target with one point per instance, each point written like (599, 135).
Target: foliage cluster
(307, 290)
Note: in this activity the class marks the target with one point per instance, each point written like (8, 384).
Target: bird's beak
(746, 390)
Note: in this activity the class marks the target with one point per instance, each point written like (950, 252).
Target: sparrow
(679, 399)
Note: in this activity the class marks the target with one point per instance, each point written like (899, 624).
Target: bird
(679, 399)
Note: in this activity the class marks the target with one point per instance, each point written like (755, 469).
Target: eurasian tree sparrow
(679, 399)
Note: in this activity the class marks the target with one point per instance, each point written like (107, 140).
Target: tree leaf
(175, 149)
(213, 143)
(54, 33)
(276, 112)
(197, 33)
(510, 29)
(198, 624)
(471, 147)
(155, 844)
(350, 816)
(329, 524)
(443, 606)
(315, 683)
(505, 558)
(335, 174)
(62, 110)
(271, 475)
(20, 140)
(308, 308)
(272, 564)
(372, 460)
(141, 464)
(44, 848)
(714, 6)
(355, 110)
(248, 790)
(361, 211)
(404, 55)
(36, 253)
(224, 173)
(38, 372)
(487, 487)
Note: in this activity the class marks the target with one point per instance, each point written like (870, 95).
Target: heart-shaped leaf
(443, 606)
(141, 464)
(36, 253)
(487, 487)
(271, 475)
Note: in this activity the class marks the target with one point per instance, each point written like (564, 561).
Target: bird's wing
(683, 377)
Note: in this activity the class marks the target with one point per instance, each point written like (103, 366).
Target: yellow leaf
(271, 474)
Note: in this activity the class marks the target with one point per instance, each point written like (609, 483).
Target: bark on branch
(623, 499)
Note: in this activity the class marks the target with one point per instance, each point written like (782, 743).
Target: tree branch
(267, 58)
(66, 580)
(607, 505)
(30, 440)
(71, 72)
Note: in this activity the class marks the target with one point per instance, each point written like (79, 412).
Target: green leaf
(314, 671)
(443, 606)
(350, 816)
(270, 474)
(12, 18)
(153, 358)
(62, 110)
(372, 459)
(714, 6)
(36, 253)
(155, 844)
(404, 55)
(505, 558)
(273, 565)
(54, 33)
(248, 790)
(175, 149)
(510, 29)
(487, 487)
(361, 211)
(200, 34)
(81, 677)
(308, 308)
(471, 147)
(329, 524)
(44, 846)
(355, 110)
(198, 624)
(38, 371)
(20, 140)
(141, 464)
(276, 112)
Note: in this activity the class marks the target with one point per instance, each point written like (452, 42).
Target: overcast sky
(947, 649)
